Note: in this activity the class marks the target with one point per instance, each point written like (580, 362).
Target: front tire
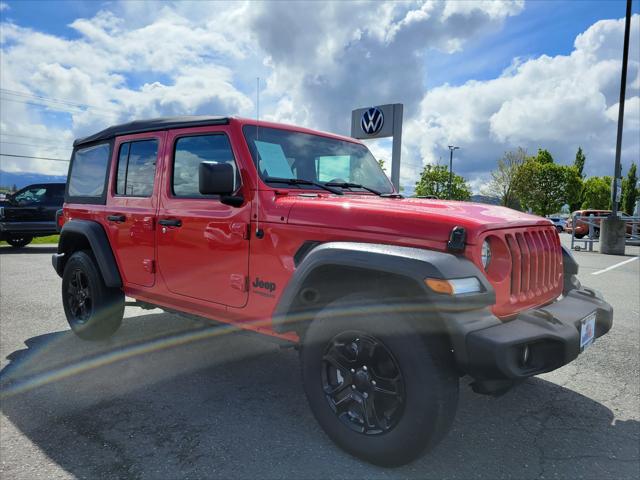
(19, 241)
(378, 388)
(93, 310)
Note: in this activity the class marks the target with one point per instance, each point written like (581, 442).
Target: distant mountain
(485, 199)
(22, 179)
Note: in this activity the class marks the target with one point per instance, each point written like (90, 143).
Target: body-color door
(205, 253)
(132, 203)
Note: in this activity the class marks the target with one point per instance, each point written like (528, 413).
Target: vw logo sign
(372, 121)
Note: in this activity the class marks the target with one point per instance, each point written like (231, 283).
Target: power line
(49, 145)
(51, 99)
(35, 158)
(28, 136)
(60, 108)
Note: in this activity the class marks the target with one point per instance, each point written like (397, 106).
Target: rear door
(54, 198)
(132, 203)
(203, 246)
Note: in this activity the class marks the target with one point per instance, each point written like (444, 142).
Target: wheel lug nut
(365, 394)
(373, 382)
(353, 370)
(364, 368)
(353, 387)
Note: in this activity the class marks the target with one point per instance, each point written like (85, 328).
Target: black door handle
(116, 218)
(170, 222)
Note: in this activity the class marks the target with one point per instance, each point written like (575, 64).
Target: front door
(203, 245)
(131, 206)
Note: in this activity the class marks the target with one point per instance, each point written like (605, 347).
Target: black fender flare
(83, 232)
(408, 264)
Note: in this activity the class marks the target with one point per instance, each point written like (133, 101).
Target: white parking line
(614, 266)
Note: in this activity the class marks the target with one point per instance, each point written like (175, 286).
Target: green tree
(503, 178)
(381, 163)
(630, 190)
(579, 161)
(596, 193)
(434, 181)
(573, 187)
(543, 156)
(542, 186)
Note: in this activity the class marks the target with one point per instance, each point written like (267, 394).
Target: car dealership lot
(168, 397)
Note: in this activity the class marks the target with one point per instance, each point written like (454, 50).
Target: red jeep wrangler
(299, 235)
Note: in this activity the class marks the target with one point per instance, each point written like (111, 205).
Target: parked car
(30, 213)
(559, 222)
(299, 235)
(582, 227)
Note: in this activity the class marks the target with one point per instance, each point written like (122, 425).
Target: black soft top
(152, 124)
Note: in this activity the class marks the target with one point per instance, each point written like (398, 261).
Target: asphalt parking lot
(167, 397)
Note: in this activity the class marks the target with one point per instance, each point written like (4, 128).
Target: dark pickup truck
(30, 212)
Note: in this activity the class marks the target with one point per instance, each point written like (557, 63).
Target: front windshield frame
(291, 144)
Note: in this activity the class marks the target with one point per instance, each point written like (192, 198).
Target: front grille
(536, 263)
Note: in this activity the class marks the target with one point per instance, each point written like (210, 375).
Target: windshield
(285, 154)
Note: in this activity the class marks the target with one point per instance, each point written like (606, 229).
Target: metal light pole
(617, 171)
(451, 149)
(612, 228)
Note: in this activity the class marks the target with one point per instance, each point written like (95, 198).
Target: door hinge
(239, 282)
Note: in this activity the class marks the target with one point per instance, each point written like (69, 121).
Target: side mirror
(219, 179)
(216, 178)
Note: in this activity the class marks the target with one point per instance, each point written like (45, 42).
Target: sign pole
(397, 146)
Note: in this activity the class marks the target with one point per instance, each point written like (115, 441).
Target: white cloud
(558, 103)
(346, 55)
(319, 60)
(177, 63)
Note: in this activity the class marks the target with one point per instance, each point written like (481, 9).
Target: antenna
(259, 232)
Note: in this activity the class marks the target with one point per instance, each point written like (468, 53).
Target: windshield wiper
(357, 185)
(300, 181)
(352, 185)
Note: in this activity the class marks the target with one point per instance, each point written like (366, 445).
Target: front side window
(30, 196)
(190, 152)
(286, 154)
(89, 171)
(136, 168)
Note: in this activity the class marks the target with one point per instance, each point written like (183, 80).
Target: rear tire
(94, 311)
(417, 369)
(19, 241)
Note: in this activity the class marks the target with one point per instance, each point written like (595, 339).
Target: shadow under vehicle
(170, 398)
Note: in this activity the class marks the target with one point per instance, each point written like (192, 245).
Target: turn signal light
(454, 286)
(439, 286)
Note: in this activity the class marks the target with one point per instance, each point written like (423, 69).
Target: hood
(406, 217)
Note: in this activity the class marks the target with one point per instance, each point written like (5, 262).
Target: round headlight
(486, 254)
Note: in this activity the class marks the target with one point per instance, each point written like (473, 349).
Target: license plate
(587, 331)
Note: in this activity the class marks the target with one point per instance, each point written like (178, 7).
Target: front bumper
(489, 349)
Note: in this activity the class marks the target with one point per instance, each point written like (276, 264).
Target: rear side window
(136, 168)
(89, 172)
(190, 152)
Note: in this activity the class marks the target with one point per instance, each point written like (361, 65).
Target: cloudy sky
(487, 76)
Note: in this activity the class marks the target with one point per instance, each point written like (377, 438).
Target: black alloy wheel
(363, 383)
(380, 382)
(79, 296)
(93, 310)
